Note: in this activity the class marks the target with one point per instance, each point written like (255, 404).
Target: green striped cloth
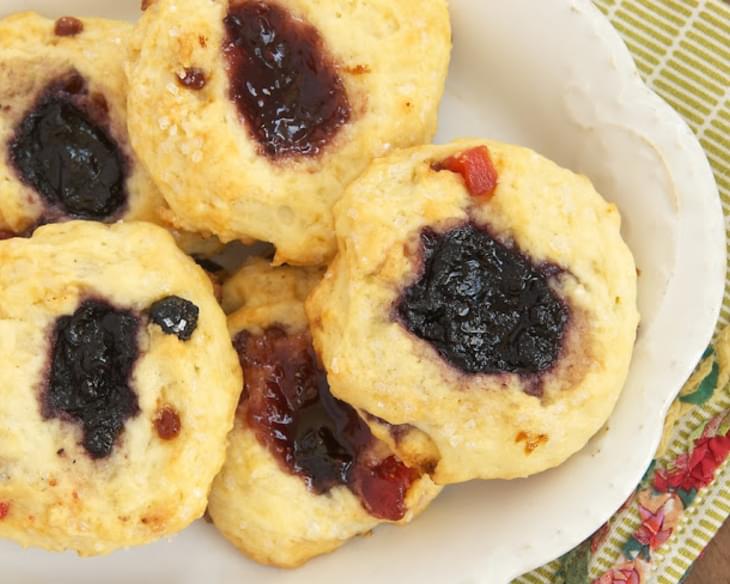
(682, 50)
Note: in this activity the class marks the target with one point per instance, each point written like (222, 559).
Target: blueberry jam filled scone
(303, 472)
(64, 149)
(484, 296)
(118, 382)
(253, 115)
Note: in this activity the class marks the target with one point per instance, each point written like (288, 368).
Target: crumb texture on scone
(501, 327)
(389, 58)
(256, 283)
(119, 387)
(262, 506)
(65, 153)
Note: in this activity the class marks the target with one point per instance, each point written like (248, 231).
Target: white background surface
(554, 76)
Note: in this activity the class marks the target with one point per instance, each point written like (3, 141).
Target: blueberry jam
(482, 305)
(93, 353)
(69, 159)
(175, 316)
(282, 81)
(288, 404)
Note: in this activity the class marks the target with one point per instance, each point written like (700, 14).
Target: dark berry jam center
(93, 353)
(71, 161)
(289, 406)
(282, 81)
(175, 316)
(482, 305)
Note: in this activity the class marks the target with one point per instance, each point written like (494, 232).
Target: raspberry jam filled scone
(253, 115)
(303, 473)
(119, 386)
(64, 149)
(483, 295)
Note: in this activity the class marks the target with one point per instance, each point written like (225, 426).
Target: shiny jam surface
(283, 82)
(288, 404)
(67, 157)
(482, 305)
(92, 356)
(175, 316)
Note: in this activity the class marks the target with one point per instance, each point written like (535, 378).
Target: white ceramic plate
(552, 75)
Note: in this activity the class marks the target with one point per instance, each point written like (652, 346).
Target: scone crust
(392, 58)
(32, 56)
(57, 497)
(266, 512)
(256, 283)
(483, 426)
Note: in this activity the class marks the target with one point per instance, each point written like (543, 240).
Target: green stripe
(711, 36)
(660, 9)
(680, 94)
(701, 50)
(690, 87)
(651, 35)
(691, 117)
(722, 141)
(692, 75)
(679, 7)
(689, 57)
(651, 18)
(717, 22)
(719, 8)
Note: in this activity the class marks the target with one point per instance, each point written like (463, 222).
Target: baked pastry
(119, 386)
(303, 472)
(257, 284)
(63, 128)
(253, 115)
(495, 296)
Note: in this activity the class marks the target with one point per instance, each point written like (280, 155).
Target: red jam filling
(68, 26)
(288, 404)
(167, 423)
(283, 82)
(476, 167)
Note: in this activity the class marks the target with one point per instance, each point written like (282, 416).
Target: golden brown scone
(284, 501)
(501, 322)
(256, 283)
(119, 386)
(263, 147)
(63, 125)
(63, 98)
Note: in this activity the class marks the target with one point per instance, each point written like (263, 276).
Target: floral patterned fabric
(674, 482)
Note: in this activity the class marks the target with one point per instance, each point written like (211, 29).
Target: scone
(483, 295)
(253, 115)
(63, 125)
(303, 472)
(119, 386)
(256, 284)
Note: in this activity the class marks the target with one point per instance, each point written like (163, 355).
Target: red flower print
(599, 537)
(696, 470)
(652, 532)
(630, 573)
